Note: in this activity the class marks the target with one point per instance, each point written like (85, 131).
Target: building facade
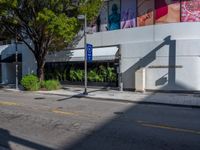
(26, 62)
(160, 36)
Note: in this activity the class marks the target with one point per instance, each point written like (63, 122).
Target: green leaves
(10, 3)
(54, 19)
(49, 24)
(91, 9)
(64, 27)
(76, 75)
(98, 74)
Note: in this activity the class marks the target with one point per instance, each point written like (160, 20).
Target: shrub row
(32, 83)
(98, 74)
(101, 74)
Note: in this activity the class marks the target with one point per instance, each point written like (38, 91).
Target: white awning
(99, 54)
(2, 48)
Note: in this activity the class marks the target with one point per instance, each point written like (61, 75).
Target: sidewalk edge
(123, 100)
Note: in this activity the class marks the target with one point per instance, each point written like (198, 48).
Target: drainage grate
(39, 98)
(118, 113)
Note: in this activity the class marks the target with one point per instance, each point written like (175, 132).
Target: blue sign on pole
(89, 52)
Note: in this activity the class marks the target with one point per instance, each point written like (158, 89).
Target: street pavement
(49, 121)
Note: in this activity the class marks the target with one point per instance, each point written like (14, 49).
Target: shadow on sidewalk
(6, 137)
(81, 95)
(69, 97)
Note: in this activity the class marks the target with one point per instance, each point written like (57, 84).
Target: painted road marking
(64, 113)
(3, 103)
(6, 103)
(165, 127)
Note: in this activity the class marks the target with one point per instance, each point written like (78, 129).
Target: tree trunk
(40, 54)
(40, 69)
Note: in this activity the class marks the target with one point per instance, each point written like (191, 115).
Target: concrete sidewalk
(175, 99)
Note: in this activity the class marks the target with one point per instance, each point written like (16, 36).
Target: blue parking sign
(89, 52)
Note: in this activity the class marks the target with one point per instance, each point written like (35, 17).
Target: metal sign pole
(16, 63)
(85, 44)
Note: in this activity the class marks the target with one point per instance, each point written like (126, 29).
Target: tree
(45, 25)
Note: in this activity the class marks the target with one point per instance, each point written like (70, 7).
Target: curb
(12, 90)
(124, 101)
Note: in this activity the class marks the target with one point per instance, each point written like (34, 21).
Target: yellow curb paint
(8, 103)
(171, 128)
(64, 113)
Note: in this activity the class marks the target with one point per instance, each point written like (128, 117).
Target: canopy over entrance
(12, 58)
(99, 54)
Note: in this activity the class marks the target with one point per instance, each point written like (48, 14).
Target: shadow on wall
(161, 81)
(6, 137)
(168, 80)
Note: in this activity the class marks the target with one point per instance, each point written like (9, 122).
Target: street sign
(89, 52)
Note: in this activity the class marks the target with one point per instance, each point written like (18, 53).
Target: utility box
(140, 77)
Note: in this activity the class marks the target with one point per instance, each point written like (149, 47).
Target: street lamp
(84, 17)
(16, 62)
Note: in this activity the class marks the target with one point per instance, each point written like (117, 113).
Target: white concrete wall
(160, 64)
(8, 70)
(27, 66)
(8, 75)
(144, 34)
(169, 52)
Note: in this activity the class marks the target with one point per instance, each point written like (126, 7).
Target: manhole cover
(59, 108)
(77, 90)
(39, 98)
(118, 113)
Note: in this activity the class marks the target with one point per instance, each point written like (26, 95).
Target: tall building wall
(169, 53)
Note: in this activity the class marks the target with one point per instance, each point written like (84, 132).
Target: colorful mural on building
(114, 17)
(128, 14)
(103, 18)
(121, 14)
(167, 11)
(190, 11)
(145, 11)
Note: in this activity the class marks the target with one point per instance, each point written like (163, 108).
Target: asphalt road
(46, 122)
